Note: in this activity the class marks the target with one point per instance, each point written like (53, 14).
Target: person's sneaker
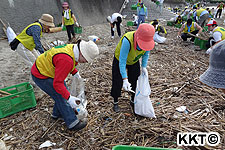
(112, 37)
(116, 107)
(56, 117)
(79, 126)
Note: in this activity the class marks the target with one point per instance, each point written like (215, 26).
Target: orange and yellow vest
(68, 21)
(192, 28)
(26, 39)
(133, 55)
(44, 62)
(221, 30)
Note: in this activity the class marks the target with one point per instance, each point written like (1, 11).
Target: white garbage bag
(77, 89)
(10, 34)
(142, 103)
(159, 39)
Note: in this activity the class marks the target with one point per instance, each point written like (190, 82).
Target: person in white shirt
(115, 19)
(218, 33)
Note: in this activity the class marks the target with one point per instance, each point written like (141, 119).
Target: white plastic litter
(46, 144)
(2, 145)
(159, 39)
(142, 103)
(182, 109)
(94, 38)
(57, 43)
(77, 90)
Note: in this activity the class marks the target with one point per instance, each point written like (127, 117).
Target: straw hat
(47, 20)
(89, 50)
(214, 76)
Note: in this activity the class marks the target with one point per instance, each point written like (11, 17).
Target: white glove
(62, 26)
(121, 25)
(77, 75)
(144, 71)
(197, 34)
(126, 85)
(146, 17)
(178, 36)
(77, 24)
(114, 29)
(208, 51)
(73, 101)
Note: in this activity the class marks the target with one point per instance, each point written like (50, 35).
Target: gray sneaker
(116, 107)
(79, 126)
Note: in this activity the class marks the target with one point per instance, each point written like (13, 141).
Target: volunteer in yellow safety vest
(218, 33)
(50, 71)
(132, 46)
(201, 16)
(220, 9)
(189, 27)
(158, 28)
(68, 20)
(29, 39)
(142, 13)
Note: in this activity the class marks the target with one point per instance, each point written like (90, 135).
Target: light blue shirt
(141, 11)
(124, 51)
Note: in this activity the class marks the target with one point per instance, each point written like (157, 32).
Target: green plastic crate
(197, 41)
(78, 30)
(126, 147)
(170, 23)
(130, 23)
(157, 2)
(134, 7)
(22, 97)
(178, 25)
(203, 45)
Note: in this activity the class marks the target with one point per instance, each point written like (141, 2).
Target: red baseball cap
(144, 37)
(211, 22)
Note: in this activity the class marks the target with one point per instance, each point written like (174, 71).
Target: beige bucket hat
(89, 50)
(47, 20)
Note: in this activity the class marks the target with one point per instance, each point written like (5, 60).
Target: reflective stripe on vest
(221, 30)
(192, 28)
(26, 39)
(198, 12)
(68, 21)
(133, 55)
(44, 62)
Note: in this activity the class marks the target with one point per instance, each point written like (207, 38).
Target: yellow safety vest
(133, 55)
(68, 21)
(198, 12)
(159, 28)
(192, 28)
(26, 39)
(44, 62)
(221, 6)
(221, 30)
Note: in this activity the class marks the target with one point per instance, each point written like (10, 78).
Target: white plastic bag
(10, 34)
(142, 103)
(77, 90)
(159, 39)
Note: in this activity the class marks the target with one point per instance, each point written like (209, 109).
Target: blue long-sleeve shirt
(35, 32)
(124, 51)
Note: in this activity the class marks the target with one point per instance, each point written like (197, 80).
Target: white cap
(108, 19)
(89, 50)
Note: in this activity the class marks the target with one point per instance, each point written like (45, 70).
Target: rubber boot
(116, 107)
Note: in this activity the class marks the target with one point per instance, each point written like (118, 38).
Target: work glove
(178, 36)
(208, 51)
(77, 75)
(146, 17)
(197, 34)
(126, 85)
(77, 24)
(62, 26)
(74, 101)
(144, 71)
(114, 29)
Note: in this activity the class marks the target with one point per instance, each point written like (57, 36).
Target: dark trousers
(70, 30)
(184, 36)
(210, 42)
(219, 11)
(117, 28)
(117, 81)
